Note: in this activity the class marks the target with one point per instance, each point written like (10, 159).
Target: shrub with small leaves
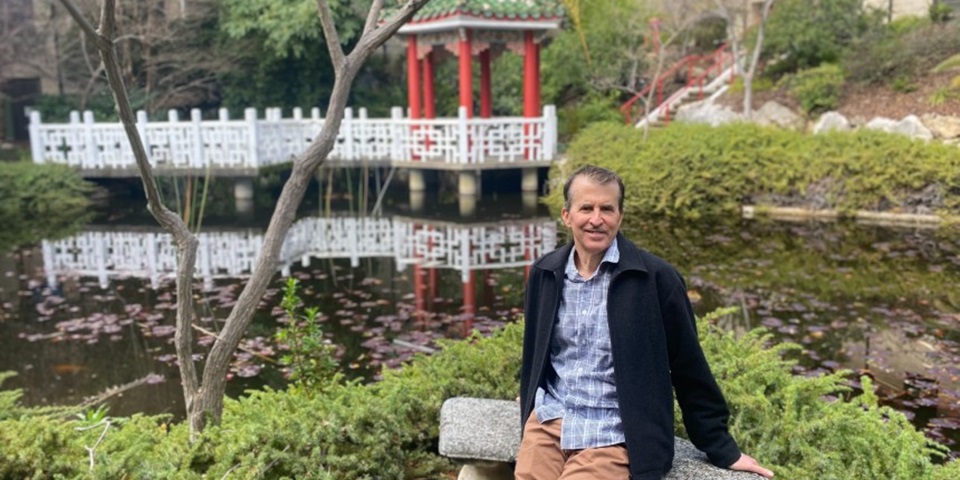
(310, 358)
(818, 89)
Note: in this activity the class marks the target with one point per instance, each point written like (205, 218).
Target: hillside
(860, 102)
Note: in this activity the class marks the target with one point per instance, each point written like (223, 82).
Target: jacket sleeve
(704, 409)
(529, 341)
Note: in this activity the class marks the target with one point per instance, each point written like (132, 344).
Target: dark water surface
(95, 310)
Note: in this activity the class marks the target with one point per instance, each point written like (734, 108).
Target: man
(609, 335)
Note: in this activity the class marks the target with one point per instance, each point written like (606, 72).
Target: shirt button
(583, 312)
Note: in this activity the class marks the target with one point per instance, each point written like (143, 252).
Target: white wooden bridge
(231, 253)
(241, 147)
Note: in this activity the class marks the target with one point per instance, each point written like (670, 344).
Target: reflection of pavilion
(107, 254)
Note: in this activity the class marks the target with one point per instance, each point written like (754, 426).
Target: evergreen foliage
(389, 429)
(691, 170)
(802, 34)
(818, 89)
(39, 201)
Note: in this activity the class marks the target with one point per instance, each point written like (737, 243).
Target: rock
(942, 126)
(831, 121)
(776, 114)
(883, 124)
(912, 127)
(708, 112)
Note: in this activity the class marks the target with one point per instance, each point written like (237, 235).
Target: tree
(805, 33)
(204, 395)
(737, 14)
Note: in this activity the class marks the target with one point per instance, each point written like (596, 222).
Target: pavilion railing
(256, 142)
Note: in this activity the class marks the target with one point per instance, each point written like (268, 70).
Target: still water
(83, 314)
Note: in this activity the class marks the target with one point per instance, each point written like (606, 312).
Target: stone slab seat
(484, 434)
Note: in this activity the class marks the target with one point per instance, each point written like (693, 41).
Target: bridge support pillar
(243, 189)
(468, 205)
(529, 181)
(416, 201)
(416, 181)
(468, 183)
(529, 202)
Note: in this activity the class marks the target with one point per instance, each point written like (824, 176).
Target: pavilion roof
(491, 9)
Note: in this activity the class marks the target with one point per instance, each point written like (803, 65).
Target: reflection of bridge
(231, 254)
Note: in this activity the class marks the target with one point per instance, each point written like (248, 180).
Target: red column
(466, 74)
(413, 77)
(486, 102)
(531, 77)
(429, 107)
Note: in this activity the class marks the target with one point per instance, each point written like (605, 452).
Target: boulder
(883, 124)
(831, 121)
(776, 114)
(942, 126)
(708, 112)
(910, 126)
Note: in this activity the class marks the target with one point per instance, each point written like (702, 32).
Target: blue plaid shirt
(583, 392)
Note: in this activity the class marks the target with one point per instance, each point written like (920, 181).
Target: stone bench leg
(486, 470)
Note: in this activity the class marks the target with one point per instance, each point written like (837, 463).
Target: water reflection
(96, 309)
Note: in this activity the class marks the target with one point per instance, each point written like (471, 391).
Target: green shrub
(940, 12)
(801, 34)
(389, 429)
(809, 427)
(891, 54)
(818, 89)
(690, 171)
(37, 201)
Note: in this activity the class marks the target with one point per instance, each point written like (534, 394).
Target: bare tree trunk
(754, 60)
(204, 400)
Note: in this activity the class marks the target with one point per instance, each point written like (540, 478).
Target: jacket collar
(630, 258)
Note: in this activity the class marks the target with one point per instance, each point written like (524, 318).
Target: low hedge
(389, 429)
(693, 170)
(38, 201)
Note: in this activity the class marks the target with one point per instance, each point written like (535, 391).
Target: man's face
(594, 216)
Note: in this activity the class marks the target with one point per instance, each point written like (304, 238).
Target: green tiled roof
(494, 9)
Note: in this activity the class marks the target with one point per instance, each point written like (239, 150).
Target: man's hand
(746, 463)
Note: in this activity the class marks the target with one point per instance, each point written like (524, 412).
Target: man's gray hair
(596, 174)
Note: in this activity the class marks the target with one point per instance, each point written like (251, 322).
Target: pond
(94, 311)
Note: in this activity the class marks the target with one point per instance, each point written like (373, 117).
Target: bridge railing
(256, 142)
(151, 255)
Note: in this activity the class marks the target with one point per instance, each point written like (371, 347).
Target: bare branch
(376, 37)
(373, 16)
(82, 21)
(330, 34)
(186, 242)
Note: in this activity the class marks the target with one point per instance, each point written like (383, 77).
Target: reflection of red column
(419, 305)
(527, 255)
(469, 302)
(486, 99)
(466, 73)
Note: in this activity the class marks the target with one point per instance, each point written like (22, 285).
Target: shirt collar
(612, 256)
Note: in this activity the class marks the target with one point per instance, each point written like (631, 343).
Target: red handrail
(716, 61)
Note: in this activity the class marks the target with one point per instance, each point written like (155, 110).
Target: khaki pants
(540, 456)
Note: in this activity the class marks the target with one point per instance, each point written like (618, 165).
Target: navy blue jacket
(654, 345)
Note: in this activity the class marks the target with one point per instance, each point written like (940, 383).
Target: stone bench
(484, 435)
